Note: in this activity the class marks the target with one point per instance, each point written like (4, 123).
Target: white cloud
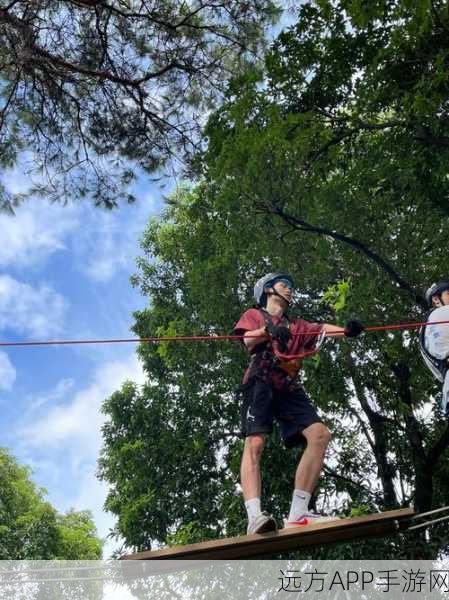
(76, 424)
(7, 372)
(67, 438)
(36, 231)
(102, 242)
(35, 311)
(61, 390)
(111, 241)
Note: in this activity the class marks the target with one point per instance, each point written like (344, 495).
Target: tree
(323, 172)
(78, 536)
(31, 529)
(92, 89)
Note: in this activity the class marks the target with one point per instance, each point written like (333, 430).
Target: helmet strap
(275, 293)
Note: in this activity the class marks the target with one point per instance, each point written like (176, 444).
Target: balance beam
(284, 540)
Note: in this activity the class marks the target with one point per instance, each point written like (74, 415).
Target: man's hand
(353, 328)
(280, 334)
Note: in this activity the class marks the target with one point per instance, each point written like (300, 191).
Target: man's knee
(318, 435)
(254, 445)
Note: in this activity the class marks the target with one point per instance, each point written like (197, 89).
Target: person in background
(434, 339)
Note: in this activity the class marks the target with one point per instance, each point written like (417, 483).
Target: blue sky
(64, 274)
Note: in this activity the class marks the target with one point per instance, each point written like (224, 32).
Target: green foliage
(337, 294)
(78, 537)
(335, 170)
(188, 534)
(359, 511)
(91, 93)
(31, 529)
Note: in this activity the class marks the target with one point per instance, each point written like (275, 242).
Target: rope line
(370, 329)
(210, 338)
(204, 338)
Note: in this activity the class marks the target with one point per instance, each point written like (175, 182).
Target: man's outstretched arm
(352, 329)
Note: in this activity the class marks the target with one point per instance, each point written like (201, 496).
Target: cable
(369, 329)
(203, 338)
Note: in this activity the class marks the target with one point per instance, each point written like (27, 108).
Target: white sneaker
(308, 518)
(261, 524)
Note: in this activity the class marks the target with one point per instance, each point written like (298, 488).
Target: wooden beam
(285, 540)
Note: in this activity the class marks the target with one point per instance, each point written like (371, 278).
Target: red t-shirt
(253, 319)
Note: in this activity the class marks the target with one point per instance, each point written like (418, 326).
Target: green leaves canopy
(31, 529)
(335, 170)
(92, 91)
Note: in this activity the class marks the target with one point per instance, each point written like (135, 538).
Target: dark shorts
(291, 408)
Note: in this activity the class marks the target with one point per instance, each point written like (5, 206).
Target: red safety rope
(201, 338)
(367, 329)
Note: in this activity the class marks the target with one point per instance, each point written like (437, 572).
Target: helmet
(436, 289)
(267, 281)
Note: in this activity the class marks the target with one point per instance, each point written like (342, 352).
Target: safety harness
(264, 360)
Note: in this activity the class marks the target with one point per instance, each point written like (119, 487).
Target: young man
(270, 390)
(434, 339)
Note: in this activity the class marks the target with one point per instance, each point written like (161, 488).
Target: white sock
(300, 504)
(253, 508)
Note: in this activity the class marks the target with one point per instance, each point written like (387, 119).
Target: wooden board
(285, 540)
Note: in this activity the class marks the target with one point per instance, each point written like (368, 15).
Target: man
(434, 339)
(270, 389)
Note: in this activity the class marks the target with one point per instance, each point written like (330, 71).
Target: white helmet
(436, 289)
(268, 281)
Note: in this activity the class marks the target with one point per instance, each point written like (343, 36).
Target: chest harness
(263, 359)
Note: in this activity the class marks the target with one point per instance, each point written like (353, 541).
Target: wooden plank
(285, 540)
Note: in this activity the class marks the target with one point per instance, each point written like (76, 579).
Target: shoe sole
(311, 522)
(265, 527)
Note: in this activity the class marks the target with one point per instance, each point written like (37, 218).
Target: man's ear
(436, 301)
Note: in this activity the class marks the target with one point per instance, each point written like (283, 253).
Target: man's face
(284, 288)
(444, 299)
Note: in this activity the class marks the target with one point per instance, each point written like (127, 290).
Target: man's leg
(256, 421)
(250, 466)
(318, 437)
(258, 521)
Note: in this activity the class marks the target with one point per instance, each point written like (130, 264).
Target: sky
(64, 274)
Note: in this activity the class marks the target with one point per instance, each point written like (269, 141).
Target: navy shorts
(262, 403)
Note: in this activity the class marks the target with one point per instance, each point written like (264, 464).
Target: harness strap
(263, 357)
(285, 321)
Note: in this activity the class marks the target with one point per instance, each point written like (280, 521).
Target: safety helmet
(268, 281)
(436, 289)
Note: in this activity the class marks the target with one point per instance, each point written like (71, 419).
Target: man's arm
(352, 329)
(256, 336)
(333, 330)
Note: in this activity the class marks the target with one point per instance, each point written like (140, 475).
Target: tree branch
(354, 243)
(386, 470)
(438, 448)
(336, 475)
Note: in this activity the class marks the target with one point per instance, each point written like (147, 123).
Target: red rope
(209, 338)
(368, 329)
